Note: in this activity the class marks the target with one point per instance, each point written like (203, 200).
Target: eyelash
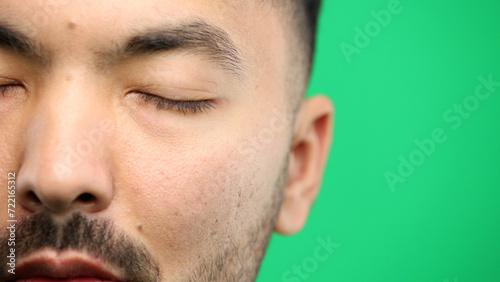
(185, 107)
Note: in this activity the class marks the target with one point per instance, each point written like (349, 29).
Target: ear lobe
(311, 142)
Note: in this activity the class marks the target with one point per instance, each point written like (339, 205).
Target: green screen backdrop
(412, 187)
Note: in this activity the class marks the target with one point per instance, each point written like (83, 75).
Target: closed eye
(183, 106)
(8, 88)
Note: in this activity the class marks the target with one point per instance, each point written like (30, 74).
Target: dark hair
(312, 8)
(302, 18)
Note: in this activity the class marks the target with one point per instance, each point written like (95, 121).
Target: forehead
(245, 21)
(75, 29)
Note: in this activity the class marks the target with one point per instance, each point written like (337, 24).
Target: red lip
(67, 266)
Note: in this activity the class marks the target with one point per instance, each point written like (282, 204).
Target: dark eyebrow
(196, 37)
(15, 41)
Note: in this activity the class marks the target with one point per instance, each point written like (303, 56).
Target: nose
(65, 165)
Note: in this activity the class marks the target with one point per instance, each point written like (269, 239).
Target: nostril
(86, 198)
(30, 201)
(32, 197)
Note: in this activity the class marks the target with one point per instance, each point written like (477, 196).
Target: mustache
(97, 237)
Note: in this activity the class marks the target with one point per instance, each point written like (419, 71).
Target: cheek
(194, 193)
(184, 198)
(12, 142)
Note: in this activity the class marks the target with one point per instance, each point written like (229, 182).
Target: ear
(310, 146)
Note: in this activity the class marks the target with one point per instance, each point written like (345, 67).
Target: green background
(443, 222)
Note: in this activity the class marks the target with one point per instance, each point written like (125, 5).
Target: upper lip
(68, 264)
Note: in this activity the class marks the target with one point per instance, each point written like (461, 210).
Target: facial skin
(187, 191)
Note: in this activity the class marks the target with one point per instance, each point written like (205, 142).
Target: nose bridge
(65, 156)
(73, 128)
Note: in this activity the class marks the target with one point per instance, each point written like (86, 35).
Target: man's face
(152, 131)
